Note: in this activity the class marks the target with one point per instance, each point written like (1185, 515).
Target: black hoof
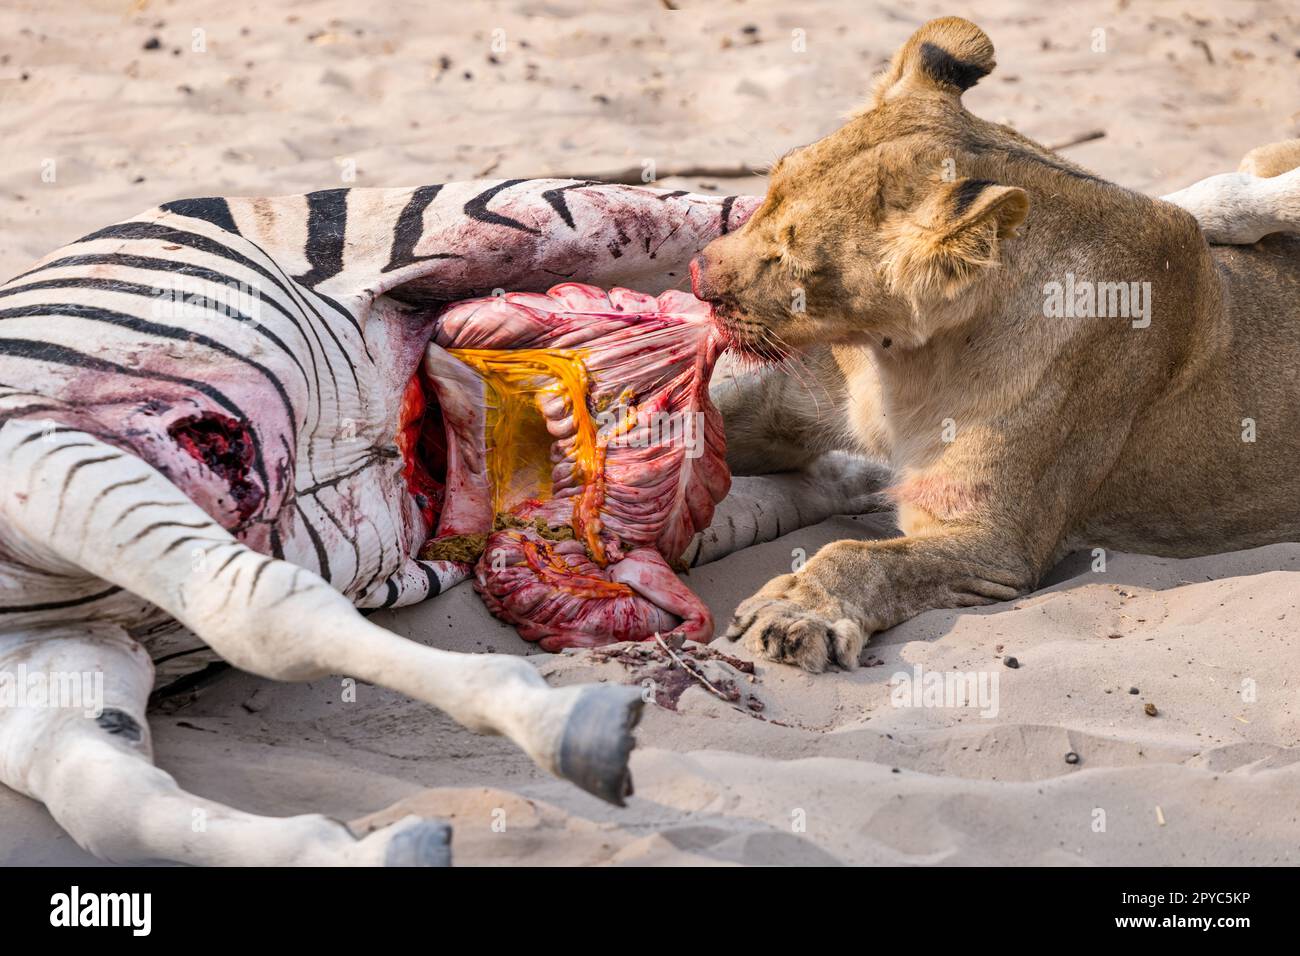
(598, 740)
(427, 843)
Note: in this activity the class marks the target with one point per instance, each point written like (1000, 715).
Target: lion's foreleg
(823, 614)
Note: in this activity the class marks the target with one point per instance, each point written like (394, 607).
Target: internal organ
(580, 455)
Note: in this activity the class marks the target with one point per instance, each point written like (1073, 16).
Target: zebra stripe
(477, 208)
(327, 224)
(410, 227)
(212, 209)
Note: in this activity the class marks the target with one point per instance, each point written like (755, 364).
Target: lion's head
(904, 206)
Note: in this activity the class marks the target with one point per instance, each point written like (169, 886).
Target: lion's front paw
(796, 622)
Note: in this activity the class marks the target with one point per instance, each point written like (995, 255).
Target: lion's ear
(969, 202)
(942, 246)
(949, 55)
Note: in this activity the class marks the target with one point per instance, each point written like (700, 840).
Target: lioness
(1046, 360)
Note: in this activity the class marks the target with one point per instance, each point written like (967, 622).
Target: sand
(810, 769)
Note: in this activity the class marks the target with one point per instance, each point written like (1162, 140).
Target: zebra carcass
(249, 460)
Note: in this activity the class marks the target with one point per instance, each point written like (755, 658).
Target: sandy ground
(291, 97)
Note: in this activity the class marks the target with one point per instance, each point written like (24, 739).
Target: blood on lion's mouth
(745, 338)
(564, 444)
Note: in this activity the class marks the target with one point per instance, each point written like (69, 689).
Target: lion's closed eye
(798, 265)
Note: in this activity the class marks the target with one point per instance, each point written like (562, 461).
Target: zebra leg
(112, 515)
(763, 508)
(82, 748)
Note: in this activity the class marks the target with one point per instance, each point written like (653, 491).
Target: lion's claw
(804, 627)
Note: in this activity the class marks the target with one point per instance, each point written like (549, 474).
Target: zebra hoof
(426, 843)
(598, 740)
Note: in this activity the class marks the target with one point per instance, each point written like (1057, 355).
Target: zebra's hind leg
(77, 502)
(78, 742)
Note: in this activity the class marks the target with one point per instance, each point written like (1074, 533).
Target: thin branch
(631, 176)
(1087, 137)
(690, 670)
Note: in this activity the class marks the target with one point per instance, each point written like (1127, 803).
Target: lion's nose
(700, 283)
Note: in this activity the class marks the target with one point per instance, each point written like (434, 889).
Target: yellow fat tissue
(518, 454)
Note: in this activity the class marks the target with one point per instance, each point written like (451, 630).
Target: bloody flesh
(225, 446)
(574, 441)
